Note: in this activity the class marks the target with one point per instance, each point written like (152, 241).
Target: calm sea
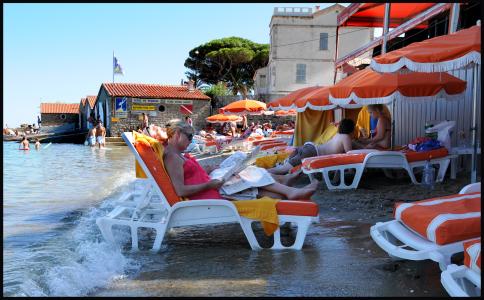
(51, 198)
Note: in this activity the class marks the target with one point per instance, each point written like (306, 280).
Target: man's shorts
(91, 140)
(100, 140)
(307, 150)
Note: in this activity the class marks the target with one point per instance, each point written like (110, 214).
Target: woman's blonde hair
(381, 109)
(177, 125)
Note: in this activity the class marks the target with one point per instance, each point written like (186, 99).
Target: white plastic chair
(186, 213)
(401, 242)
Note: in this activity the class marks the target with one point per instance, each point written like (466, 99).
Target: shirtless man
(91, 137)
(382, 138)
(340, 143)
(24, 144)
(100, 134)
(37, 144)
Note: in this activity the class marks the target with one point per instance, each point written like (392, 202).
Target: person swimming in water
(24, 144)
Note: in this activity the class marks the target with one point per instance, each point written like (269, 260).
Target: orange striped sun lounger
(359, 160)
(465, 280)
(433, 229)
(177, 213)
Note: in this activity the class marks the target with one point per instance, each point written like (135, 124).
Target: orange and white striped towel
(443, 220)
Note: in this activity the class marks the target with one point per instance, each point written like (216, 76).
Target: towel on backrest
(271, 160)
(263, 209)
(327, 134)
(155, 144)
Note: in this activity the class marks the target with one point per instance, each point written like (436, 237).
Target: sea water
(51, 198)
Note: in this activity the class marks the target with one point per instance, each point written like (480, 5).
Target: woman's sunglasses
(188, 135)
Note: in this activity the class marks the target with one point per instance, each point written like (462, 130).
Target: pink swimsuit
(195, 174)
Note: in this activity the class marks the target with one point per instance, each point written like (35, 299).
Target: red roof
(92, 101)
(372, 14)
(153, 91)
(59, 108)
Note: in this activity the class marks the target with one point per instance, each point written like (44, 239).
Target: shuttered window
(301, 73)
(323, 41)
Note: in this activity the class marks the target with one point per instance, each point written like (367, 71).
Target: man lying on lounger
(340, 143)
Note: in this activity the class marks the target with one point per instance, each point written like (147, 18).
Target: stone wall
(164, 112)
(55, 120)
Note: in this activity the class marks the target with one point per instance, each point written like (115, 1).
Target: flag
(117, 69)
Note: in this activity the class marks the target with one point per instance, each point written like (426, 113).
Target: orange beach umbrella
(283, 113)
(315, 100)
(441, 53)
(220, 118)
(287, 101)
(369, 87)
(244, 107)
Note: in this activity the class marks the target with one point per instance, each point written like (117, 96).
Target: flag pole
(113, 66)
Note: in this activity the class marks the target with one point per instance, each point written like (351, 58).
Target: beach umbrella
(244, 107)
(285, 113)
(442, 53)
(317, 99)
(220, 118)
(369, 87)
(286, 102)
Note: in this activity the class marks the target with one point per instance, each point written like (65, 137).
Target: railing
(293, 11)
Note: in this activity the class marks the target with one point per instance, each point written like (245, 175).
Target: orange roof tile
(59, 108)
(153, 91)
(83, 101)
(91, 100)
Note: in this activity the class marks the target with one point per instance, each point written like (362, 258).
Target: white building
(302, 50)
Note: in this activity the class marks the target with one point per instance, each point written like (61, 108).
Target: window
(301, 73)
(63, 117)
(161, 108)
(323, 41)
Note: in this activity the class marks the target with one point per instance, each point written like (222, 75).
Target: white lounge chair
(465, 280)
(197, 212)
(399, 241)
(359, 160)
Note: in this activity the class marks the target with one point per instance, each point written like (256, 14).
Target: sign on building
(121, 107)
(178, 101)
(143, 107)
(146, 101)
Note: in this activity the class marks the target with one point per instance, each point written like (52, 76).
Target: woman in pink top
(191, 180)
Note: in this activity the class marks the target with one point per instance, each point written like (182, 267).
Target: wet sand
(339, 258)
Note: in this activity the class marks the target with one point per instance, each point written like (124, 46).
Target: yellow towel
(271, 160)
(157, 147)
(327, 134)
(263, 209)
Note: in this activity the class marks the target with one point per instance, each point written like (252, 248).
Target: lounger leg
(412, 175)
(249, 233)
(134, 238)
(277, 240)
(357, 178)
(106, 230)
(327, 180)
(160, 234)
(302, 229)
(443, 165)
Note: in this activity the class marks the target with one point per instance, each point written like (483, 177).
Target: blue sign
(121, 105)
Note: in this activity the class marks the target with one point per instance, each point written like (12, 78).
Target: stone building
(120, 105)
(59, 117)
(86, 107)
(302, 50)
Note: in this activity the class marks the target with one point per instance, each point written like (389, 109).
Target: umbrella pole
(393, 126)
(474, 125)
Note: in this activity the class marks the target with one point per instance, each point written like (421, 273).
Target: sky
(63, 52)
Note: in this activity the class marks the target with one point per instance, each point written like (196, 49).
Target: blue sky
(63, 52)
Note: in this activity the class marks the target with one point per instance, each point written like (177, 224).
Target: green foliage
(218, 89)
(231, 60)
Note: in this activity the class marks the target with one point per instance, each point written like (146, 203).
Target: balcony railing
(293, 11)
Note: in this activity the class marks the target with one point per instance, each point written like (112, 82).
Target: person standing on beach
(188, 120)
(100, 135)
(91, 137)
(39, 122)
(37, 144)
(144, 121)
(24, 144)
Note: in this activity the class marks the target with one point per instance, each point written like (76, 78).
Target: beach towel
(263, 210)
(327, 134)
(472, 254)
(271, 160)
